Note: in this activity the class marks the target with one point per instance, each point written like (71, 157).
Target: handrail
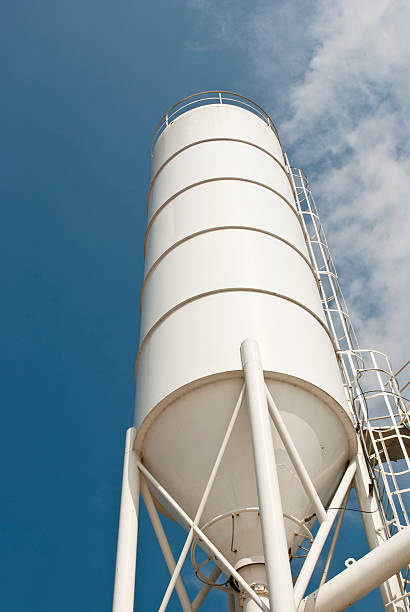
(217, 96)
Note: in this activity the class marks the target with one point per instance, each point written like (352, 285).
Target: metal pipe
(362, 576)
(295, 458)
(124, 584)
(324, 529)
(334, 538)
(275, 548)
(163, 542)
(202, 595)
(228, 568)
(203, 501)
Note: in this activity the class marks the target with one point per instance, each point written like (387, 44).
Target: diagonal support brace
(164, 545)
(295, 458)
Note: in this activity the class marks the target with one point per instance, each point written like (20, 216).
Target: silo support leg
(273, 530)
(124, 585)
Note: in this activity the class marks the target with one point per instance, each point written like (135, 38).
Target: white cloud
(336, 76)
(355, 97)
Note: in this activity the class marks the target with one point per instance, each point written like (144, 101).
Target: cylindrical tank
(226, 260)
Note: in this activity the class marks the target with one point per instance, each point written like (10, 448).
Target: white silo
(226, 260)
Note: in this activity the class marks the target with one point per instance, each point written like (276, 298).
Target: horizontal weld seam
(229, 290)
(217, 229)
(205, 140)
(214, 180)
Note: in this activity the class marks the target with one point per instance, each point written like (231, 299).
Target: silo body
(226, 260)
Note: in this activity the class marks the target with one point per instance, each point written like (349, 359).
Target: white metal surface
(226, 259)
(124, 584)
(236, 216)
(250, 606)
(295, 458)
(211, 97)
(273, 531)
(203, 501)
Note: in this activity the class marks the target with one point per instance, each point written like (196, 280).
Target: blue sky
(83, 86)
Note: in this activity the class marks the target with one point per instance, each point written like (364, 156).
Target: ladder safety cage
(376, 394)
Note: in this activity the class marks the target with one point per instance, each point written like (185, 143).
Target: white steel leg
(295, 458)
(273, 530)
(124, 585)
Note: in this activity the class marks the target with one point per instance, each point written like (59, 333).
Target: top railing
(204, 98)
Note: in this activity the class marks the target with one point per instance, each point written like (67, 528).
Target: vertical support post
(124, 585)
(374, 527)
(273, 530)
